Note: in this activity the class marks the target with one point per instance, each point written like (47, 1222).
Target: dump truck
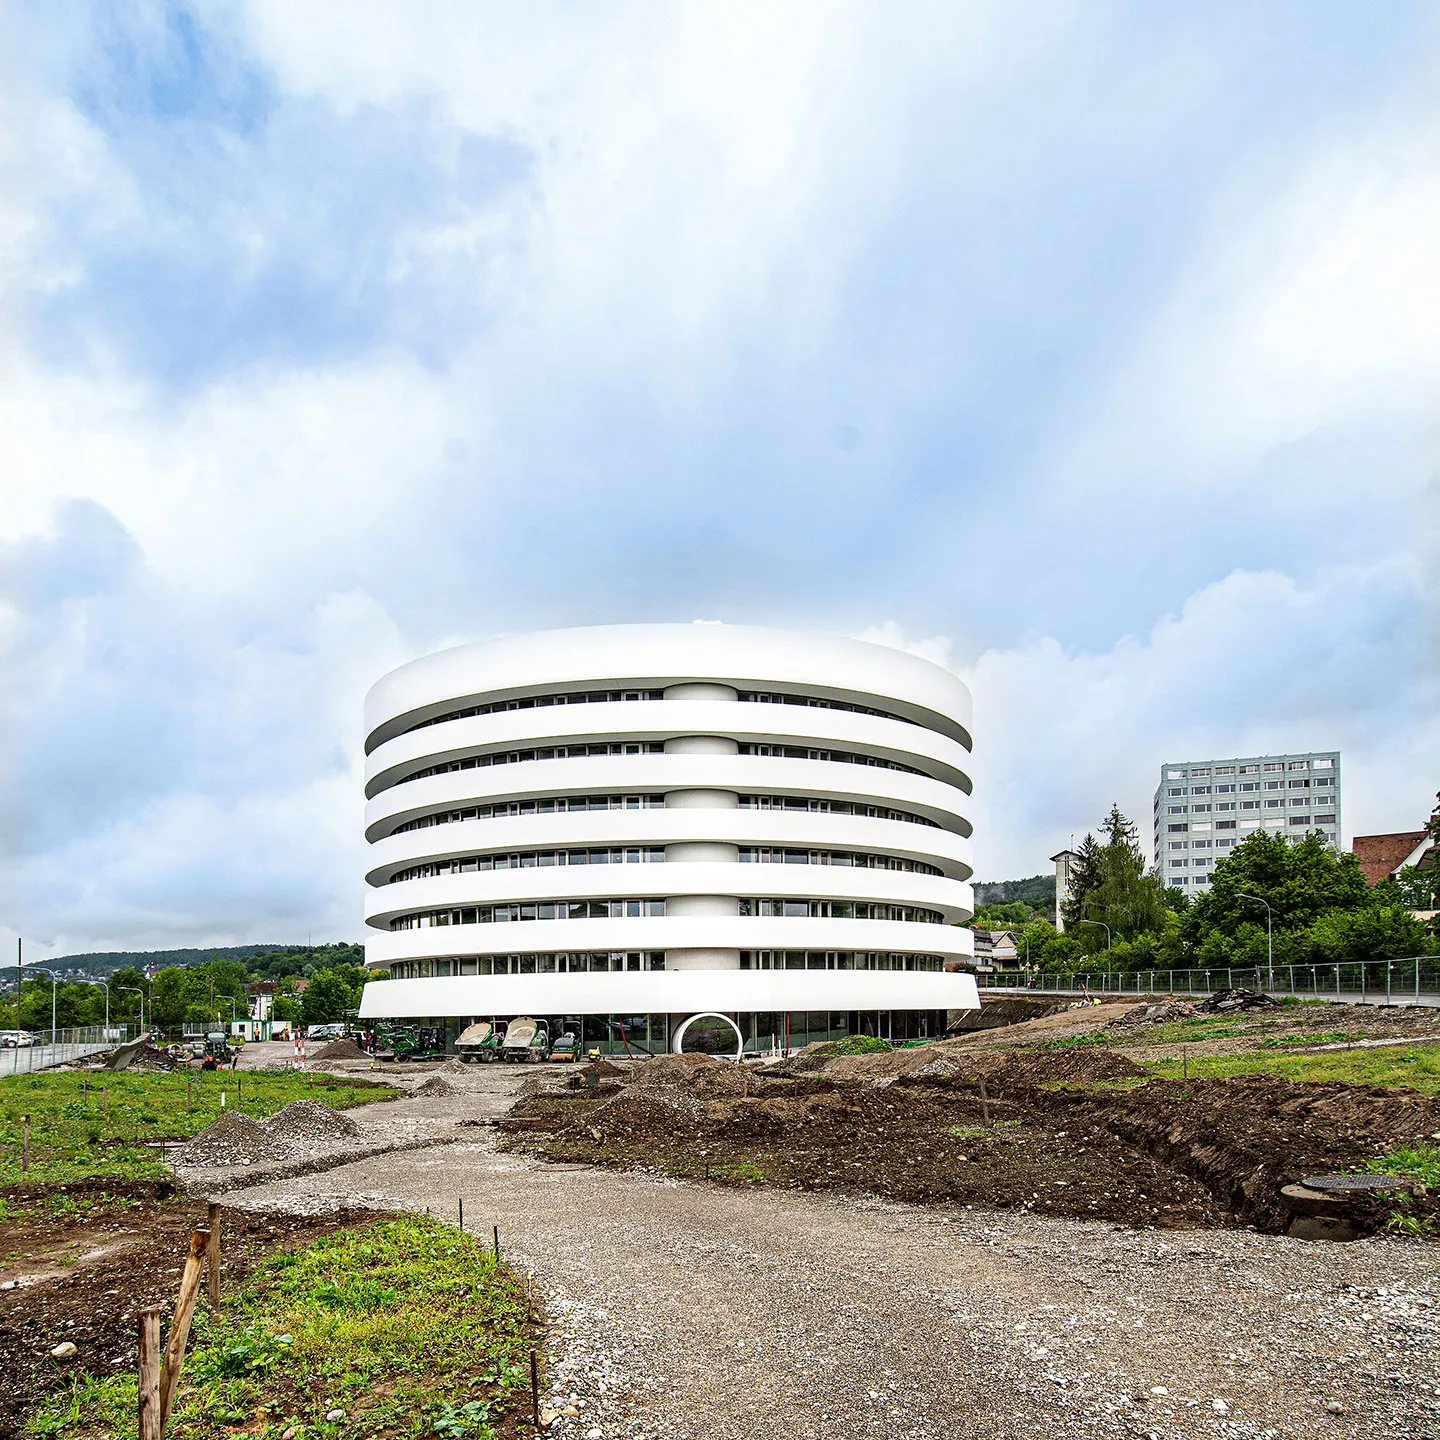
(479, 1044)
(526, 1039)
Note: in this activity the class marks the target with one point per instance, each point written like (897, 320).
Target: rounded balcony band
(620, 828)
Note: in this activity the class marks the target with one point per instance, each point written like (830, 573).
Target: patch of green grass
(1325, 1037)
(1421, 1163)
(739, 1172)
(1089, 1039)
(1415, 1066)
(407, 1325)
(975, 1132)
(855, 1045)
(79, 1130)
(1192, 1031)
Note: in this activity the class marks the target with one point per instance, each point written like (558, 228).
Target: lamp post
(135, 990)
(105, 986)
(1106, 929)
(1269, 933)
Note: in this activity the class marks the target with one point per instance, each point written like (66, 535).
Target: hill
(1038, 890)
(266, 960)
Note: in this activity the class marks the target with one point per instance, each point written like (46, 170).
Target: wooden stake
(180, 1326)
(462, 1213)
(149, 1375)
(984, 1102)
(213, 1256)
(1185, 1062)
(25, 1143)
(497, 1244)
(535, 1387)
(104, 1102)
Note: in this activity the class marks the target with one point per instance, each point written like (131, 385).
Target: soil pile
(700, 1077)
(435, 1085)
(233, 1139)
(307, 1122)
(340, 1050)
(1225, 1002)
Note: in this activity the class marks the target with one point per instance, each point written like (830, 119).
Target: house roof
(1381, 855)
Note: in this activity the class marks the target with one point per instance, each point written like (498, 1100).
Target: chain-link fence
(43, 1048)
(1411, 980)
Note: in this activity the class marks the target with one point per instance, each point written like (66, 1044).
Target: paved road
(689, 1311)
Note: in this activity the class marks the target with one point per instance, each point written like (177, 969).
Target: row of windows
(1247, 787)
(573, 804)
(768, 697)
(766, 855)
(620, 961)
(635, 909)
(582, 962)
(537, 702)
(844, 757)
(836, 960)
(1270, 767)
(531, 859)
(559, 805)
(1248, 824)
(542, 752)
(840, 910)
(607, 697)
(529, 910)
(1297, 802)
(830, 807)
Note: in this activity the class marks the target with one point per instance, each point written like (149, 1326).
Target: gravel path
(688, 1311)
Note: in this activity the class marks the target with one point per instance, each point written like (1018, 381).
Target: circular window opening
(716, 1035)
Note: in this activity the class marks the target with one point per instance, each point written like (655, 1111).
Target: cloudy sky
(1092, 348)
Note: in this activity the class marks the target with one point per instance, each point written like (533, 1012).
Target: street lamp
(1106, 929)
(134, 990)
(1269, 932)
(49, 975)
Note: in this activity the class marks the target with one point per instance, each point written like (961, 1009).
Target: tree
(1301, 881)
(1380, 932)
(1043, 947)
(1084, 878)
(330, 994)
(1110, 886)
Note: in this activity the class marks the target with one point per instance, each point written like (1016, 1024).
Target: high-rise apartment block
(1203, 809)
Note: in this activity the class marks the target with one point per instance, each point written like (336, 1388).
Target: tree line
(1120, 914)
(210, 993)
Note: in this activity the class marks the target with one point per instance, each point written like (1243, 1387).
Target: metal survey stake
(497, 1244)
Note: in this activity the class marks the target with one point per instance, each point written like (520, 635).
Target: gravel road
(689, 1311)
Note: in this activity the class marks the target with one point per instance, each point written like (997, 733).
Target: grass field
(1416, 1066)
(86, 1124)
(408, 1326)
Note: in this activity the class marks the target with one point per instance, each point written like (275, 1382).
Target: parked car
(334, 1031)
(15, 1039)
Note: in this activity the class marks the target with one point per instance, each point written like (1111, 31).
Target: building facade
(620, 828)
(1204, 808)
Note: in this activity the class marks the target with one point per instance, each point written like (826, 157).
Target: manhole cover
(1354, 1182)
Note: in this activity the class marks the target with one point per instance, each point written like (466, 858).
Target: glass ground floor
(762, 1032)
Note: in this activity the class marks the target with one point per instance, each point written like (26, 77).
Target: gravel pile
(435, 1085)
(232, 1140)
(340, 1050)
(307, 1122)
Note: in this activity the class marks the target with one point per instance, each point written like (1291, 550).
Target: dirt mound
(232, 1140)
(307, 1122)
(1223, 1002)
(1068, 1065)
(340, 1050)
(641, 1115)
(700, 1076)
(435, 1085)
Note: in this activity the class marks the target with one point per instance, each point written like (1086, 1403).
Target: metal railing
(61, 1046)
(1411, 980)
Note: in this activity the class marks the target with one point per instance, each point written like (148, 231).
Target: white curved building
(622, 827)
